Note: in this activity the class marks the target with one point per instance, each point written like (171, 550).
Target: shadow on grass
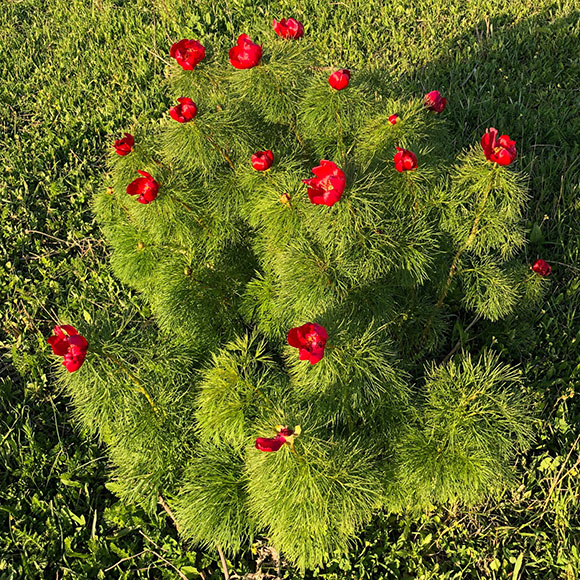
(522, 78)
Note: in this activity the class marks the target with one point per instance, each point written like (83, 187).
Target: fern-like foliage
(229, 259)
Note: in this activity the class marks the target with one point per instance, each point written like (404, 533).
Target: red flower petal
(500, 150)
(145, 187)
(289, 28)
(58, 344)
(73, 363)
(328, 185)
(124, 146)
(78, 342)
(339, 80)
(310, 340)
(262, 160)
(66, 329)
(293, 338)
(404, 160)
(66, 342)
(435, 102)
(270, 443)
(187, 53)
(246, 54)
(542, 267)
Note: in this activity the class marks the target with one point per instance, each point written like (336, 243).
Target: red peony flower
(275, 443)
(187, 53)
(124, 146)
(270, 443)
(542, 267)
(435, 102)
(185, 111)
(405, 160)
(145, 187)
(68, 343)
(328, 185)
(262, 160)
(245, 54)
(393, 119)
(501, 151)
(310, 339)
(339, 80)
(288, 28)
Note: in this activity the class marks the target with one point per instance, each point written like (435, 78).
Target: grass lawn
(76, 73)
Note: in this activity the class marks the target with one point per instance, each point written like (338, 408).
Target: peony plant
(326, 302)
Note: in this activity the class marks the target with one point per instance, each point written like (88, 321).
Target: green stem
(189, 209)
(261, 394)
(466, 245)
(136, 381)
(340, 142)
(413, 190)
(457, 257)
(221, 151)
(298, 137)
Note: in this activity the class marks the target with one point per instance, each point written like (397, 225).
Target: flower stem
(190, 210)
(136, 381)
(261, 394)
(223, 562)
(457, 257)
(340, 141)
(413, 190)
(295, 130)
(221, 151)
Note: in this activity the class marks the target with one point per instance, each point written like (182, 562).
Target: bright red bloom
(310, 339)
(262, 160)
(405, 160)
(393, 119)
(288, 28)
(185, 111)
(435, 102)
(542, 267)
(124, 146)
(339, 80)
(328, 185)
(145, 187)
(270, 443)
(68, 343)
(245, 54)
(274, 443)
(187, 53)
(501, 151)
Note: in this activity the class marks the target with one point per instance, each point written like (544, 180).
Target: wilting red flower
(339, 80)
(405, 160)
(435, 102)
(393, 119)
(310, 339)
(542, 267)
(124, 146)
(270, 443)
(328, 185)
(187, 53)
(262, 160)
(288, 28)
(501, 151)
(145, 187)
(185, 111)
(245, 54)
(274, 443)
(67, 342)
